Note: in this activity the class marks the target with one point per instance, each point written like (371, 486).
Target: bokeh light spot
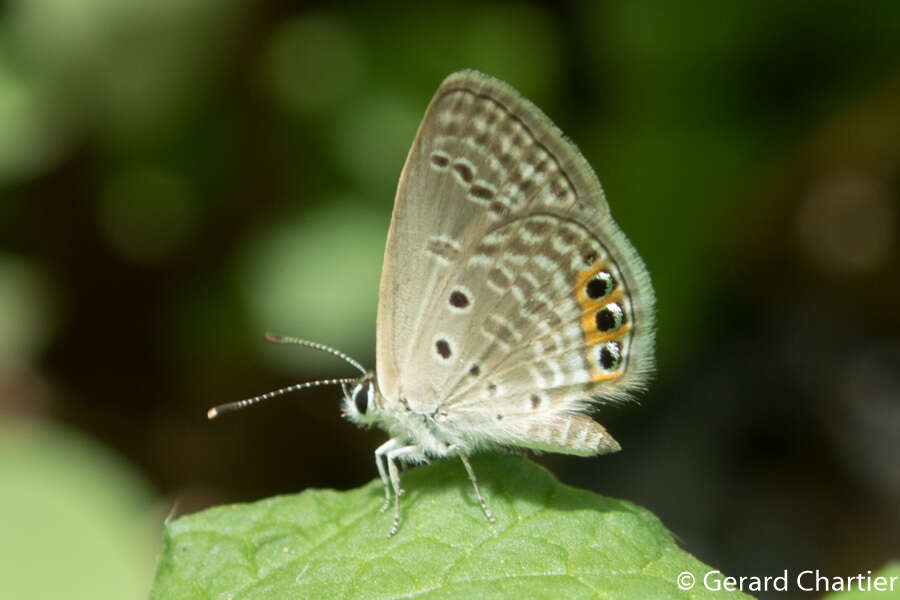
(27, 310)
(847, 224)
(128, 71)
(84, 527)
(317, 277)
(146, 213)
(29, 139)
(373, 138)
(312, 62)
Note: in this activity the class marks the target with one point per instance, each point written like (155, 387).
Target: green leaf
(549, 541)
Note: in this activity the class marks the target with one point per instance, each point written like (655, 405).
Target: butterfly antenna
(233, 406)
(281, 339)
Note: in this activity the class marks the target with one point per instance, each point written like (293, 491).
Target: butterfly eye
(361, 398)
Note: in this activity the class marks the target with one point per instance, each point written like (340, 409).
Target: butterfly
(510, 305)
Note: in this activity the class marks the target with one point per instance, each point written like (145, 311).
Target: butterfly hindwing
(510, 300)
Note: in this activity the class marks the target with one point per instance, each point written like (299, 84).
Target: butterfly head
(361, 400)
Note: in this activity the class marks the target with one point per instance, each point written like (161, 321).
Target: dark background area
(177, 178)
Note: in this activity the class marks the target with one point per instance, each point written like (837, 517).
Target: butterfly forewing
(510, 300)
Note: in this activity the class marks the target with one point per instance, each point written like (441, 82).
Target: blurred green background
(178, 177)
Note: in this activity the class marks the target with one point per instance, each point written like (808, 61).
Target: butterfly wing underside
(510, 301)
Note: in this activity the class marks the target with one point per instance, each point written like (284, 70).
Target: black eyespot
(474, 370)
(479, 191)
(610, 356)
(459, 299)
(440, 160)
(601, 285)
(463, 171)
(361, 398)
(443, 348)
(609, 318)
(605, 320)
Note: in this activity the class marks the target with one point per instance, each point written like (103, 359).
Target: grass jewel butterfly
(511, 304)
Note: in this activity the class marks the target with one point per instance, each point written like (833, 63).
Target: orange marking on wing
(598, 375)
(588, 304)
(589, 308)
(585, 276)
(601, 337)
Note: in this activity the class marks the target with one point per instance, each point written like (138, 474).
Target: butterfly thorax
(434, 432)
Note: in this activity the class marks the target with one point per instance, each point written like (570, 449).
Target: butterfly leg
(380, 453)
(465, 462)
(392, 458)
